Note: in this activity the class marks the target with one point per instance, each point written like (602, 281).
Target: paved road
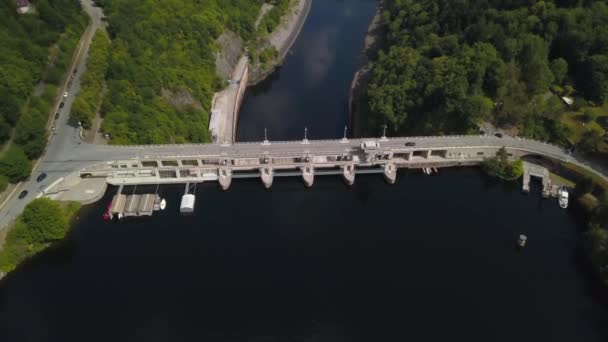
(64, 141)
(72, 155)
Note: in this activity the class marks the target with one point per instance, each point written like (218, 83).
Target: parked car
(23, 194)
(56, 115)
(499, 135)
(41, 177)
(65, 94)
(61, 105)
(410, 143)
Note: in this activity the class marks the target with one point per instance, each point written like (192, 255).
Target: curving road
(64, 141)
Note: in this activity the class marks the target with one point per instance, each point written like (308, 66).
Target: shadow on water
(265, 86)
(594, 288)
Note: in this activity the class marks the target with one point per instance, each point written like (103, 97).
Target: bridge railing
(340, 141)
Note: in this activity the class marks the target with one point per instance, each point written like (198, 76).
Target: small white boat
(563, 197)
(521, 240)
(163, 204)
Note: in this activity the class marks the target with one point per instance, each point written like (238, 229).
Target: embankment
(226, 103)
(282, 39)
(357, 103)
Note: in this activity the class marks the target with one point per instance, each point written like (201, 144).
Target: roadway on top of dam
(85, 155)
(76, 157)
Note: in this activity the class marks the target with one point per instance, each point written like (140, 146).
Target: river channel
(312, 87)
(431, 258)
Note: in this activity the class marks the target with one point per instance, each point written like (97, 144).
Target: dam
(174, 164)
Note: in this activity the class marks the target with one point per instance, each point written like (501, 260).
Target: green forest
(36, 50)
(272, 19)
(42, 223)
(161, 49)
(92, 86)
(449, 65)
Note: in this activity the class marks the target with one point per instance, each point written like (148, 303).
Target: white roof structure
(569, 101)
(187, 205)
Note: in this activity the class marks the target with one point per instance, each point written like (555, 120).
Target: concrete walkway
(226, 104)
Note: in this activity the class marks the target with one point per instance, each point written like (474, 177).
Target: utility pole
(305, 141)
(345, 139)
(266, 142)
(383, 138)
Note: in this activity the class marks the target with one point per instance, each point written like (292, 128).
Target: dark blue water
(431, 258)
(312, 87)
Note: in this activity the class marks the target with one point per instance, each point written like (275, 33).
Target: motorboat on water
(521, 240)
(563, 197)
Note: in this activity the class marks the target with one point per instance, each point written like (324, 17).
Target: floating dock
(134, 205)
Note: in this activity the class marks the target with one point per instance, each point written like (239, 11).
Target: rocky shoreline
(233, 64)
(282, 39)
(357, 102)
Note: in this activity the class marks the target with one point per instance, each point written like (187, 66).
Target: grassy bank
(584, 173)
(42, 223)
(93, 81)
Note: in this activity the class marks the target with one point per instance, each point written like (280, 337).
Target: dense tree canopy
(25, 59)
(161, 50)
(93, 81)
(448, 65)
(500, 166)
(15, 165)
(42, 222)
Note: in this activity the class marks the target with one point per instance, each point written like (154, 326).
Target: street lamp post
(266, 142)
(345, 139)
(383, 138)
(305, 141)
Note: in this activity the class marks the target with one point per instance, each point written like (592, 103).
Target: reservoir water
(431, 258)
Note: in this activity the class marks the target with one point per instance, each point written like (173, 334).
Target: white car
(65, 94)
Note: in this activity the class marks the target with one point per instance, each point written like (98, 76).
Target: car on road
(41, 177)
(410, 143)
(498, 135)
(61, 105)
(65, 94)
(23, 194)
